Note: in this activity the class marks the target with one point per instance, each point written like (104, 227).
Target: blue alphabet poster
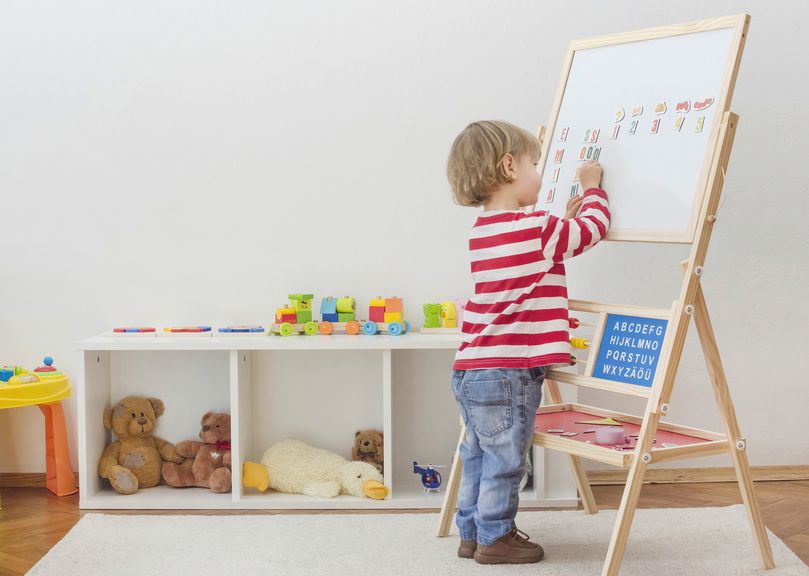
(630, 349)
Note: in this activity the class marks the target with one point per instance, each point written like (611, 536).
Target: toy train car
(339, 315)
(386, 315)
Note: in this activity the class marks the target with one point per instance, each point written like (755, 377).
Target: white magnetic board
(646, 110)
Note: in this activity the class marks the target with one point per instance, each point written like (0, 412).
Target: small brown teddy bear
(210, 464)
(369, 446)
(134, 460)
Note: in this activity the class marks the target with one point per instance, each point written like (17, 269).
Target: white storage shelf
(316, 389)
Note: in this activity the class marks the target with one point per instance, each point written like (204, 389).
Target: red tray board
(567, 422)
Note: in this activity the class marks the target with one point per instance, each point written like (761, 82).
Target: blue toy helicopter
(430, 477)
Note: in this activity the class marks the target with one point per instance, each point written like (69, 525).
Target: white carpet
(691, 541)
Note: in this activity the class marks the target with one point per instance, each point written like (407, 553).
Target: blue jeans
(498, 407)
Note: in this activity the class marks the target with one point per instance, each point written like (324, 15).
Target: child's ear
(508, 167)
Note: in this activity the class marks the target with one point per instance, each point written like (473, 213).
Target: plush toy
(369, 446)
(209, 461)
(134, 460)
(297, 468)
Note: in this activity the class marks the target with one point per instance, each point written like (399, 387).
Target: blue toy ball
(48, 360)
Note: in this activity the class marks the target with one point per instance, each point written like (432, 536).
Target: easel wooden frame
(691, 302)
(738, 22)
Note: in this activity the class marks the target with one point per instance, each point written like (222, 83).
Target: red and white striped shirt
(518, 317)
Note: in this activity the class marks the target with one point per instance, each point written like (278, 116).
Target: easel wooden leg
(738, 446)
(454, 482)
(629, 501)
(582, 483)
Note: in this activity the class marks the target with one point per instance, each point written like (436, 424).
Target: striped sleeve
(563, 238)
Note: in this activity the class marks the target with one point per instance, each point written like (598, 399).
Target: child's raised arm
(563, 238)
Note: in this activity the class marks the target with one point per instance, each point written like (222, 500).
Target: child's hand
(573, 206)
(590, 175)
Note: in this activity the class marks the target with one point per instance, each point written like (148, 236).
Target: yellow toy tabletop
(45, 385)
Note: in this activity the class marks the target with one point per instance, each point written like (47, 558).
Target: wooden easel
(691, 303)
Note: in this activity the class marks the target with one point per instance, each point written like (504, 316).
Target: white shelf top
(409, 341)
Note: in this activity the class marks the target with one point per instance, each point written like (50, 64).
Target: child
(514, 326)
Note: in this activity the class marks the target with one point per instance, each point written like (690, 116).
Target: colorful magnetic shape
(574, 190)
(615, 130)
(703, 104)
(555, 175)
(549, 196)
(655, 125)
(620, 114)
(700, 124)
(682, 107)
(560, 154)
(678, 125)
(563, 134)
(637, 111)
(633, 127)
(660, 108)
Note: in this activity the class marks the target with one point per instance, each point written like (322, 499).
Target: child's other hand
(573, 206)
(590, 175)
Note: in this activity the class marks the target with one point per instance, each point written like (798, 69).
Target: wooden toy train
(339, 315)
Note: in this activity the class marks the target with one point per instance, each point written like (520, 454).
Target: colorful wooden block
(291, 318)
(331, 317)
(377, 302)
(376, 313)
(393, 305)
(346, 305)
(301, 301)
(328, 306)
(304, 316)
(393, 317)
(432, 321)
(345, 316)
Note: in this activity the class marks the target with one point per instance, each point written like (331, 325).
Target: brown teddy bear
(210, 464)
(134, 460)
(369, 446)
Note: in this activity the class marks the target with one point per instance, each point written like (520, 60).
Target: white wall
(193, 162)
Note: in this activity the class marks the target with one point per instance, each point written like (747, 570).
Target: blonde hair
(475, 165)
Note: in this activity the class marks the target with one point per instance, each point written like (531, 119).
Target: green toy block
(432, 321)
(430, 309)
(304, 316)
(301, 301)
(346, 316)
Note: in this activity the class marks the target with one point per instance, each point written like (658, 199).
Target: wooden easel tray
(565, 417)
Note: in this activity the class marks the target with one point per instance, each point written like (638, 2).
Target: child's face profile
(527, 182)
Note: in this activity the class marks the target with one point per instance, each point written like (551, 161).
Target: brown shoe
(467, 549)
(513, 548)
